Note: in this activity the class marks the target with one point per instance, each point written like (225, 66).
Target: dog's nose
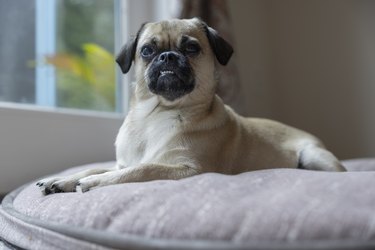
(168, 56)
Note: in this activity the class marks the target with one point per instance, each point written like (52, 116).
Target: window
(36, 141)
(17, 43)
(60, 53)
(75, 47)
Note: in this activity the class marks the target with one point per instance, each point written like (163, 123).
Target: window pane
(58, 53)
(85, 70)
(17, 49)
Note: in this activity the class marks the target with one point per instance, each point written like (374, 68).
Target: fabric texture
(279, 208)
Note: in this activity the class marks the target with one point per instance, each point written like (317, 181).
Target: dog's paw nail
(40, 184)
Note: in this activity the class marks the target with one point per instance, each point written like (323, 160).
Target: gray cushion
(273, 209)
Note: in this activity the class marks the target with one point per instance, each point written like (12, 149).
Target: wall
(311, 64)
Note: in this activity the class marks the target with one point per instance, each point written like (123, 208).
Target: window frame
(45, 83)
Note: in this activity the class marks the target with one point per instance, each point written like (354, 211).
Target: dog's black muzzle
(171, 75)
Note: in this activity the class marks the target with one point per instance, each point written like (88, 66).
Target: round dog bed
(267, 209)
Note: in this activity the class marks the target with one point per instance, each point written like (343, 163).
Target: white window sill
(34, 109)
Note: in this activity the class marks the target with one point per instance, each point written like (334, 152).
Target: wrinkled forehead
(170, 33)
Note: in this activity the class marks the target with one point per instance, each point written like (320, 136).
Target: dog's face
(175, 59)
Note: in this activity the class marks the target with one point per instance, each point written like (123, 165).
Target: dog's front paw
(57, 185)
(94, 181)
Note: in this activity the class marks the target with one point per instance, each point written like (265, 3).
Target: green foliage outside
(86, 81)
(85, 69)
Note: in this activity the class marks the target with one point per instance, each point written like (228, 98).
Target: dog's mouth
(171, 82)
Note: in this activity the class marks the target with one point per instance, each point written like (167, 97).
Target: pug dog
(178, 127)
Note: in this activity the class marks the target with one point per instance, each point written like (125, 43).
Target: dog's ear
(126, 56)
(221, 48)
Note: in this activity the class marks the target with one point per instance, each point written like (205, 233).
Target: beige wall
(311, 64)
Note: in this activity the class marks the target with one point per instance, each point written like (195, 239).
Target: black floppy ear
(222, 49)
(126, 56)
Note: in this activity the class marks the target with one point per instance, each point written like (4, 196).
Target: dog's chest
(146, 140)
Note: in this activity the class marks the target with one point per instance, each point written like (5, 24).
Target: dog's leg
(146, 172)
(68, 183)
(318, 158)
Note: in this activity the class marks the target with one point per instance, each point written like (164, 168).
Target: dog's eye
(147, 51)
(192, 48)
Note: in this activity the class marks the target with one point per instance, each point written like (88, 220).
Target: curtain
(216, 14)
